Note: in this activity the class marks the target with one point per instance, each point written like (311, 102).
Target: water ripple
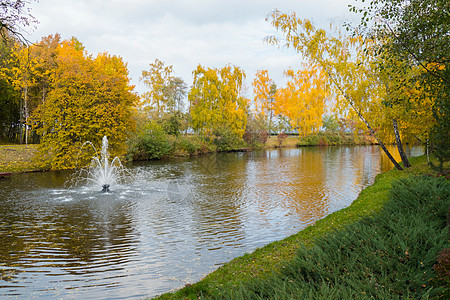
(173, 223)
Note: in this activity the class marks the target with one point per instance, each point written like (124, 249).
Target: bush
(194, 145)
(329, 139)
(280, 138)
(255, 133)
(330, 123)
(151, 143)
(172, 123)
(225, 139)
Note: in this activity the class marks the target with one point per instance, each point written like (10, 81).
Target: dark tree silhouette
(15, 16)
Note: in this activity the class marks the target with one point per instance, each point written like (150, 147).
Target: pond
(173, 223)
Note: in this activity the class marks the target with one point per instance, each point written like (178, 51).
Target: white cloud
(181, 33)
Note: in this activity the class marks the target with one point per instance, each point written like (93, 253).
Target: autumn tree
(165, 91)
(45, 52)
(89, 98)
(216, 101)
(264, 90)
(303, 100)
(29, 70)
(416, 33)
(9, 95)
(22, 73)
(404, 106)
(345, 61)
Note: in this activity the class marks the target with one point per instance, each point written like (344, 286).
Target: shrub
(330, 139)
(151, 143)
(172, 123)
(225, 139)
(194, 145)
(256, 134)
(280, 138)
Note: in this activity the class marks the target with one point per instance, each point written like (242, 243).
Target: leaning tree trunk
(400, 148)
(386, 151)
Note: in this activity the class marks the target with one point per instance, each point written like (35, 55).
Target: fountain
(101, 171)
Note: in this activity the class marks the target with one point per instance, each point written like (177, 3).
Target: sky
(184, 33)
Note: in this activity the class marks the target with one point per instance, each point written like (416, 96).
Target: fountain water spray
(101, 172)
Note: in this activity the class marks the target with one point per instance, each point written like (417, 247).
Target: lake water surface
(172, 223)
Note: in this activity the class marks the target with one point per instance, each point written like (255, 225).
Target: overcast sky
(183, 33)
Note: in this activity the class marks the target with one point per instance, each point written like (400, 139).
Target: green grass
(389, 255)
(335, 139)
(241, 276)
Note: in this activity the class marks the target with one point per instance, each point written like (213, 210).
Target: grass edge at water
(270, 258)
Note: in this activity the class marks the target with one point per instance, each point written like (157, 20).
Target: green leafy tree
(330, 123)
(175, 92)
(150, 143)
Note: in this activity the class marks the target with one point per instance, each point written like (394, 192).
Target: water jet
(101, 172)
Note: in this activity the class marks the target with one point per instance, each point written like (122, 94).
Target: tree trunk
(26, 112)
(270, 122)
(386, 151)
(398, 140)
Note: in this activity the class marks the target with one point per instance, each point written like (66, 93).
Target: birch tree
(216, 101)
(344, 60)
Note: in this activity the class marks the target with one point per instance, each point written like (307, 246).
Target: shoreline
(16, 159)
(269, 259)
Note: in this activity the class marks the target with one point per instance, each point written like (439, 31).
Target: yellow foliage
(156, 79)
(215, 99)
(263, 90)
(377, 91)
(303, 100)
(90, 98)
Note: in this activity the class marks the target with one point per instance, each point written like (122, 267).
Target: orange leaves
(90, 98)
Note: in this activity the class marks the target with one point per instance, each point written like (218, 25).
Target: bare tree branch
(15, 16)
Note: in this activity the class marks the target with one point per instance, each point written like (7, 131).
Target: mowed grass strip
(17, 158)
(243, 273)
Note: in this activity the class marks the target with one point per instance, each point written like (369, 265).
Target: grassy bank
(335, 139)
(156, 144)
(282, 269)
(17, 158)
(289, 142)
